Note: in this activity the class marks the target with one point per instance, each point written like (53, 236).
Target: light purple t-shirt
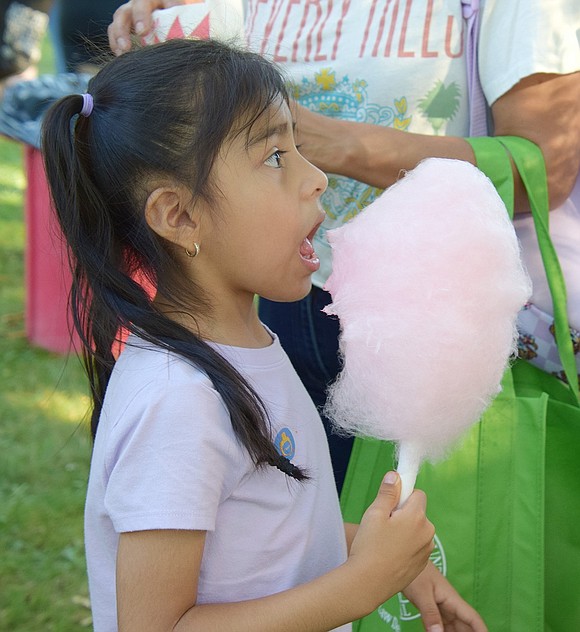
(166, 457)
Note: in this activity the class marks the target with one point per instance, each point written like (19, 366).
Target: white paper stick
(410, 457)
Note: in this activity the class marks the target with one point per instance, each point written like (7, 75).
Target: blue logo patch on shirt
(285, 444)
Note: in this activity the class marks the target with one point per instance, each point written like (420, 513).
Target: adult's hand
(135, 16)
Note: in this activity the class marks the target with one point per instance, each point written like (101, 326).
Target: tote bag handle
(493, 158)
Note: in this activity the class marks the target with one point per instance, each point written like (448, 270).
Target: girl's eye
(275, 160)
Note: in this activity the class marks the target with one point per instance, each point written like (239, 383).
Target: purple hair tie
(87, 105)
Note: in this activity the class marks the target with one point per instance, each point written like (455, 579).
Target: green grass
(44, 446)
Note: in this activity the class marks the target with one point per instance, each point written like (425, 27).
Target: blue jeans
(310, 338)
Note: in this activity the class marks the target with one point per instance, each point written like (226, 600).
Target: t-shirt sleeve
(520, 38)
(171, 459)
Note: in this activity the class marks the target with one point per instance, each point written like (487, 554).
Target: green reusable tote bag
(506, 503)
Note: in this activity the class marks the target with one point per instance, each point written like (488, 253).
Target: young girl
(211, 503)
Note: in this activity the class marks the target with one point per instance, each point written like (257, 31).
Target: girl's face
(257, 239)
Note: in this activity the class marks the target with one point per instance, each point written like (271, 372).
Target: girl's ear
(170, 214)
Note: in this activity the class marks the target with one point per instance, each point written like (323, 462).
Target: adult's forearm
(377, 155)
(541, 108)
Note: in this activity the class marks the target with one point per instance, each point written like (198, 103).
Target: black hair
(159, 111)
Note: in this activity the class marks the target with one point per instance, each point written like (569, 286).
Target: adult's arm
(541, 107)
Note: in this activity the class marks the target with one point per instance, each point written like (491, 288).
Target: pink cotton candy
(427, 283)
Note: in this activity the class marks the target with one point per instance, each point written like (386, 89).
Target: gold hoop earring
(195, 250)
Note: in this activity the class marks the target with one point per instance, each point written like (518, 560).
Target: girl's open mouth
(307, 252)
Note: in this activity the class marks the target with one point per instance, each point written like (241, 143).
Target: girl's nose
(317, 180)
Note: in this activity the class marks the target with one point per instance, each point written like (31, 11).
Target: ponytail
(97, 165)
(93, 257)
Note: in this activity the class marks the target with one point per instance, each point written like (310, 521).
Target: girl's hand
(441, 607)
(135, 16)
(392, 546)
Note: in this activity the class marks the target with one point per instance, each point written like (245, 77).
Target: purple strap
(477, 103)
